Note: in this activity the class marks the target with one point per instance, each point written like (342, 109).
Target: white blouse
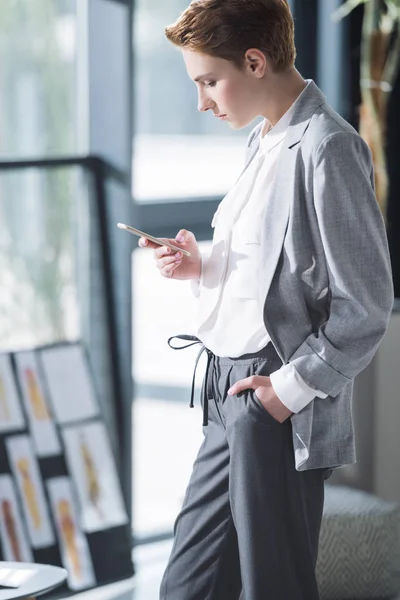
(229, 311)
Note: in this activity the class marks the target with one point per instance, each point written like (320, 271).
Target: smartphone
(152, 239)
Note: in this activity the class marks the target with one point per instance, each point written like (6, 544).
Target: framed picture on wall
(69, 383)
(11, 415)
(14, 541)
(44, 432)
(74, 548)
(29, 484)
(92, 467)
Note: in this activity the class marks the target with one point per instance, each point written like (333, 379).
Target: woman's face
(230, 93)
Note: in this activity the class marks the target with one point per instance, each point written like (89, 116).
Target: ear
(256, 62)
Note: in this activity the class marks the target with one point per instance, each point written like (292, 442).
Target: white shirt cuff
(291, 388)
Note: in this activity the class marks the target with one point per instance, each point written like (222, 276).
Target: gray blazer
(327, 285)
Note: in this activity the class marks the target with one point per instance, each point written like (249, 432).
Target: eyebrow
(205, 76)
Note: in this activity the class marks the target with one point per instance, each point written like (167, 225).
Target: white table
(44, 580)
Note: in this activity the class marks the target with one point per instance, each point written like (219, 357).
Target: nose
(204, 103)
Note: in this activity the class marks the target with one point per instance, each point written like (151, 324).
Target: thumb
(182, 236)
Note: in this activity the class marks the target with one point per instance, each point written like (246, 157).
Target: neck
(282, 90)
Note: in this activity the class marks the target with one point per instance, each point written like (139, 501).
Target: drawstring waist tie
(207, 388)
(268, 354)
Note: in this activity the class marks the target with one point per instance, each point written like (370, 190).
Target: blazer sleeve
(356, 252)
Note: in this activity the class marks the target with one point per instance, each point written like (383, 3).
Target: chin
(241, 124)
(235, 124)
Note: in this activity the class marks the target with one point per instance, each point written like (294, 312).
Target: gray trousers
(250, 522)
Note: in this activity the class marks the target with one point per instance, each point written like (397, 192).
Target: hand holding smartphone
(153, 239)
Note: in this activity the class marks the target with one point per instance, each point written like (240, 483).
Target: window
(38, 77)
(178, 152)
(37, 211)
(38, 257)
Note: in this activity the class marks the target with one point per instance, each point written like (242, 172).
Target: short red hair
(228, 28)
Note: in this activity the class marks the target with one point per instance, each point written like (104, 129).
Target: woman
(293, 302)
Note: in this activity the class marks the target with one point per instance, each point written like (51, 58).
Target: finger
(249, 383)
(168, 271)
(161, 251)
(169, 260)
(181, 236)
(145, 243)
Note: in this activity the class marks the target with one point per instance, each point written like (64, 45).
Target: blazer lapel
(280, 197)
(283, 189)
(276, 217)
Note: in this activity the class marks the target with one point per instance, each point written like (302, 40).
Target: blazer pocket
(245, 274)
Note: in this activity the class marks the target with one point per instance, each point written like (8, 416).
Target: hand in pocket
(265, 393)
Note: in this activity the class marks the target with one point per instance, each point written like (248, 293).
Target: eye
(210, 84)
